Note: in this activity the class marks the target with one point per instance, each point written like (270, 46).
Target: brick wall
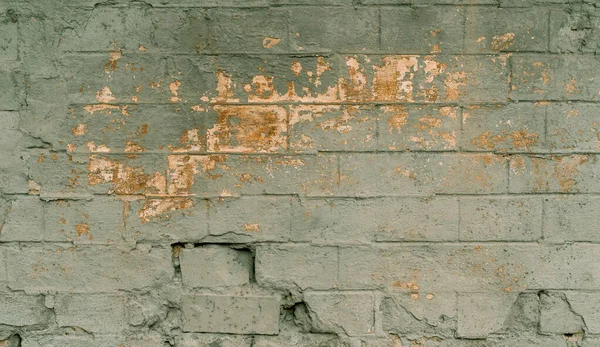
(311, 173)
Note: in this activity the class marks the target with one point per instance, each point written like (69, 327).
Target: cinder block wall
(310, 173)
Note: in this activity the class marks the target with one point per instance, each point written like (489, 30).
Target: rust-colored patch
(248, 129)
(105, 95)
(82, 229)
(124, 179)
(157, 209)
(398, 117)
(174, 88)
(253, 227)
(519, 139)
(270, 42)
(503, 42)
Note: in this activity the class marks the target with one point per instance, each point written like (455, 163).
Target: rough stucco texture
(310, 173)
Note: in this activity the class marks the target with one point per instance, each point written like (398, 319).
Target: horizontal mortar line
(384, 52)
(404, 243)
(381, 152)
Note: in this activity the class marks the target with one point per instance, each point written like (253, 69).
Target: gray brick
(511, 128)
(95, 221)
(500, 219)
(402, 128)
(177, 219)
(328, 29)
(298, 340)
(473, 268)
(454, 2)
(231, 314)
(87, 269)
(571, 218)
(555, 77)
(215, 266)
(480, 314)
(573, 127)
(554, 174)
(250, 218)
(587, 305)
(347, 221)
(422, 174)
(350, 313)
(420, 314)
(22, 310)
(576, 30)
(501, 29)
(13, 90)
(36, 340)
(92, 312)
(205, 340)
(297, 266)
(557, 316)
(332, 128)
(422, 30)
(24, 220)
(8, 42)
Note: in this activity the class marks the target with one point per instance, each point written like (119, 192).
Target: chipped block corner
(299, 173)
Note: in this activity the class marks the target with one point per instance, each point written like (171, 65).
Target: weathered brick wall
(312, 173)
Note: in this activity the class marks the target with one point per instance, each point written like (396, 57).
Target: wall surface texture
(310, 173)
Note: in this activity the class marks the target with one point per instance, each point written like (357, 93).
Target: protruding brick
(230, 314)
(92, 312)
(350, 313)
(215, 266)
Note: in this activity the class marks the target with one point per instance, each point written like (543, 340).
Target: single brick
(500, 219)
(332, 128)
(232, 175)
(87, 269)
(179, 219)
(573, 127)
(557, 316)
(298, 340)
(96, 221)
(454, 2)
(24, 220)
(513, 127)
(382, 219)
(206, 340)
(480, 314)
(92, 312)
(37, 340)
(402, 128)
(215, 266)
(8, 42)
(586, 305)
(571, 218)
(507, 267)
(422, 174)
(350, 313)
(230, 314)
(505, 29)
(554, 174)
(574, 31)
(22, 310)
(311, 2)
(419, 314)
(259, 218)
(422, 30)
(330, 28)
(555, 77)
(297, 266)
(13, 90)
